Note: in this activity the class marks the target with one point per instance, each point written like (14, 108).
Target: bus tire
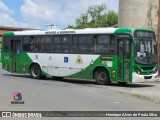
(35, 71)
(102, 77)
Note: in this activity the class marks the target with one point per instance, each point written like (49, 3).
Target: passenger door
(15, 55)
(124, 57)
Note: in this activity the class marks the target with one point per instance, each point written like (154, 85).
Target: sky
(39, 13)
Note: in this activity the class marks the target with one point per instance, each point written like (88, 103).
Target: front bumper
(143, 78)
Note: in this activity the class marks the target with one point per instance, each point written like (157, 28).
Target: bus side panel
(110, 63)
(114, 69)
(83, 63)
(64, 65)
(17, 63)
(71, 65)
(6, 61)
(25, 63)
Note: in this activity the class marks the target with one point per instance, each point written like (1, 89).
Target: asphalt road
(66, 95)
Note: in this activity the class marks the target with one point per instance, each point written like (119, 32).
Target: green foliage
(82, 21)
(70, 27)
(112, 19)
(96, 16)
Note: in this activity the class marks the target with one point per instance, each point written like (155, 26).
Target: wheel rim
(35, 71)
(102, 76)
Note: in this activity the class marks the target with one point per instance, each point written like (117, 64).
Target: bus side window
(26, 43)
(6, 43)
(43, 44)
(65, 43)
(57, 44)
(102, 41)
(104, 44)
(74, 44)
(48, 43)
(85, 44)
(31, 44)
(95, 39)
(39, 43)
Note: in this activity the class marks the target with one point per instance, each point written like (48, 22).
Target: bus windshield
(145, 47)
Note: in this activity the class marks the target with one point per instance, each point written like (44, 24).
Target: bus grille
(147, 77)
(148, 68)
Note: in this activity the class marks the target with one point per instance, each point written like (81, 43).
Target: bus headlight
(137, 70)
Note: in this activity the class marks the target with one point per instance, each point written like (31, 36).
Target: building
(139, 13)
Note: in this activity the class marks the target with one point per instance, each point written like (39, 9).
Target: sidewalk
(152, 91)
(149, 91)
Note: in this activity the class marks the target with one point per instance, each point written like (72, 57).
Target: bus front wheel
(35, 71)
(101, 76)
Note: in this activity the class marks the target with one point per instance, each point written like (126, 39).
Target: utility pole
(51, 25)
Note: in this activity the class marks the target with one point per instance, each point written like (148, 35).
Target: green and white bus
(123, 55)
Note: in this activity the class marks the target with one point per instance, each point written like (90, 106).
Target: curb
(134, 92)
(147, 98)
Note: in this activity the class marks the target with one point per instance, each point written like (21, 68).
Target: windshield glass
(145, 47)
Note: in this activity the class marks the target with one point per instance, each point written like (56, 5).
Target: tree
(82, 21)
(95, 13)
(112, 19)
(96, 16)
(70, 27)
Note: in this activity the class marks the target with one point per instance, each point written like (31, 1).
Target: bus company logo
(17, 97)
(79, 60)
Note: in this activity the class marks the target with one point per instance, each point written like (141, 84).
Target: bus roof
(74, 31)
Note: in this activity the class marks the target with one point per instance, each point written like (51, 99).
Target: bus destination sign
(59, 32)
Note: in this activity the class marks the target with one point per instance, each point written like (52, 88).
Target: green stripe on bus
(8, 34)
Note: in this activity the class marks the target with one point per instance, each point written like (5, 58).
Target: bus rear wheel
(101, 76)
(35, 71)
